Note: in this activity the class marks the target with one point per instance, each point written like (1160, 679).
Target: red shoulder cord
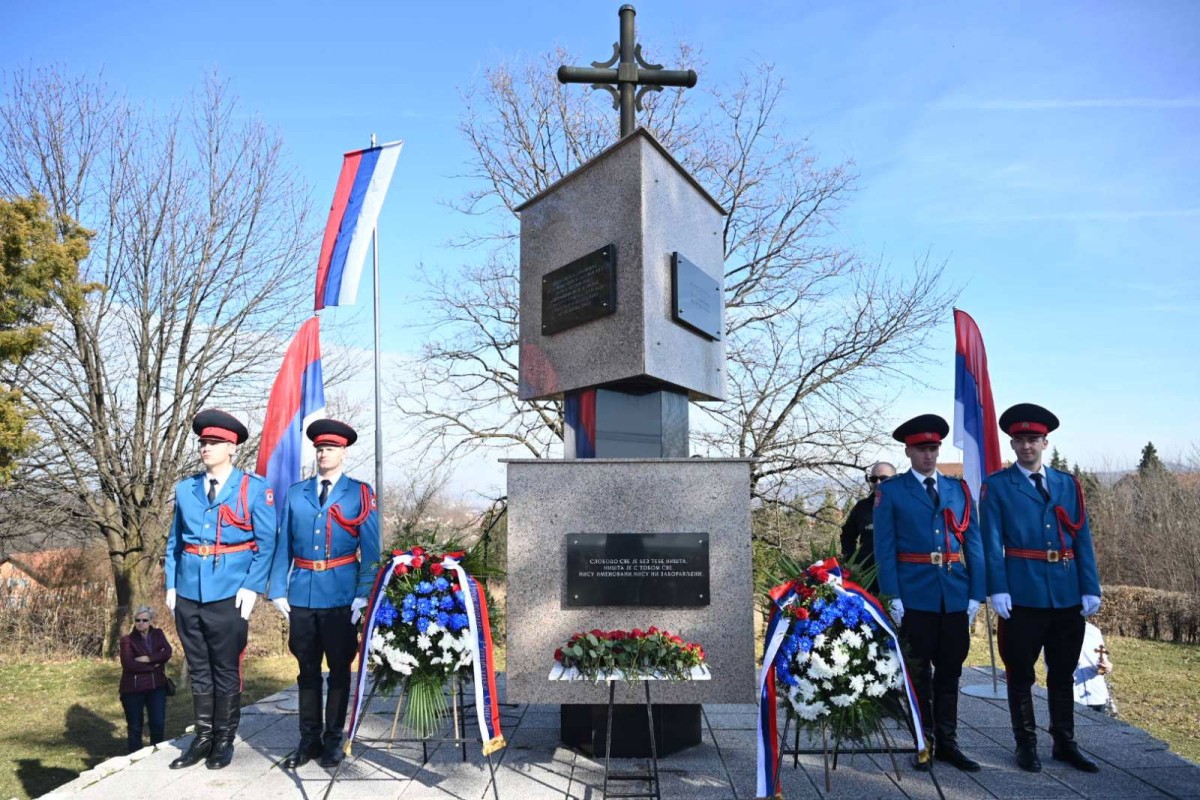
(349, 525)
(1064, 519)
(239, 519)
(958, 526)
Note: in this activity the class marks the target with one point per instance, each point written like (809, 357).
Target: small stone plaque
(584, 290)
(695, 298)
(637, 569)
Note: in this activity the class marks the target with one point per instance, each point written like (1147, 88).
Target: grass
(62, 717)
(1154, 685)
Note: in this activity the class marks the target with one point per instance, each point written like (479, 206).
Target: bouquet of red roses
(651, 652)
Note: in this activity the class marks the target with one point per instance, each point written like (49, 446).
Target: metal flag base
(986, 691)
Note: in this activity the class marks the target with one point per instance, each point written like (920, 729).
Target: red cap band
(929, 437)
(1018, 428)
(331, 438)
(220, 434)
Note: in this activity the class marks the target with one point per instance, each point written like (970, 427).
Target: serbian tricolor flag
(297, 398)
(975, 431)
(361, 187)
(579, 408)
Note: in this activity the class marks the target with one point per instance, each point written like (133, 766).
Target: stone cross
(628, 57)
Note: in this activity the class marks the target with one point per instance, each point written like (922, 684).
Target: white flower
(806, 689)
(840, 658)
(843, 700)
(851, 638)
(424, 642)
(811, 711)
(857, 683)
(876, 689)
(818, 641)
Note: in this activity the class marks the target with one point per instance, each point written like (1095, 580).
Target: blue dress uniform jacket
(1014, 515)
(205, 579)
(907, 522)
(302, 535)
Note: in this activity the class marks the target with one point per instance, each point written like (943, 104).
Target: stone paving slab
(535, 766)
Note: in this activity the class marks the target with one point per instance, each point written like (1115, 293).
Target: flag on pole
(975, 431)
(297, 398)
(361, 187)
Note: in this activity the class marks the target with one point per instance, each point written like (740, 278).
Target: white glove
(1091, 604)
(284, 607)
(171, 600)
(245, 601)
(897, 610)
(1002, 604)
(356, 609)
(972, 610)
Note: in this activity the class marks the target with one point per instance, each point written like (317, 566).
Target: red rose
(653, 630)
(401, 569)
(638, 633)
(618, 636)
(599, 634)
(416, 551)
(676, 640)
(802, 613)
(437, 569)
(558, 654)
(418, 561)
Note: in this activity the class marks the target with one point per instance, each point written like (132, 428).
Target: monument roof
(603, 154)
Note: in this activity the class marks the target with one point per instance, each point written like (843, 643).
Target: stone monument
(622, 316)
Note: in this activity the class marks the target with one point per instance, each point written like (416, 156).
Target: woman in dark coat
(144, 652)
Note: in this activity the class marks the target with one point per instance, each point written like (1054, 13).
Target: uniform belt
(1040, 555)
(206, 550)
(937, 558)
(324, 564)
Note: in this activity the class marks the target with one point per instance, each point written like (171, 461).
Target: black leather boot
(924, 688)
(227, 713)
(1062, 728)
(1020, 709)
(335, 720)
(201, 745)
(945, 718)
(310, 730)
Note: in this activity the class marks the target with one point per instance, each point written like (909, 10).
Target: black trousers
(214, 637)
(1057, 631)
(316, 633)
(937, 646)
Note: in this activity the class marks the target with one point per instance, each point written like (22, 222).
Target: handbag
(170, 687)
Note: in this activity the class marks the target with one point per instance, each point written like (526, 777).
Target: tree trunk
(132, 579)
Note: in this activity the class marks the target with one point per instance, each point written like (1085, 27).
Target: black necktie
(212, 489)
(1037, 481)
(930, 488)
(324, 492)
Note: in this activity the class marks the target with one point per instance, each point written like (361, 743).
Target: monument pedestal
(676, 727)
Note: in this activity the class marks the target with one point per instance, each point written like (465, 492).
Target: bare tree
(812, 329)
(200, 245)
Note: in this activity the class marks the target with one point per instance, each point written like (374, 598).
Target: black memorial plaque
(695, 298)
(582, 291)
(637, 569)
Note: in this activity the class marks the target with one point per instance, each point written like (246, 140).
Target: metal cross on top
(628, 57)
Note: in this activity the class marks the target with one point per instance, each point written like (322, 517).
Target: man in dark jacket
(858, 533)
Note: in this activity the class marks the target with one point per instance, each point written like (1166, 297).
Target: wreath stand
(458, 707)
(649, 777)
(795, 751)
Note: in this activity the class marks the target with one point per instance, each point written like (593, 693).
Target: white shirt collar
(921, 478)
(333, 480)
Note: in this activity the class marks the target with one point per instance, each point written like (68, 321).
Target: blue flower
(441, 584)
(443, 619)
(805, 644)
(425, 607)
(458, 622)
(386, 613)
(408, 615)
(446, 603)
(409, 601)
(424, 587)
(423, 624)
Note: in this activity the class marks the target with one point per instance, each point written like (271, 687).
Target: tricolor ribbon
(828, 572)
(487, 703)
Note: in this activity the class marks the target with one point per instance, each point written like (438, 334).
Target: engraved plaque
(584, 290)
(637, 569)
(695, 298)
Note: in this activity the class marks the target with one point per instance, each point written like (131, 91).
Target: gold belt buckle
(319, 566)
(1053, 556)
(935, 559)
(204, 551)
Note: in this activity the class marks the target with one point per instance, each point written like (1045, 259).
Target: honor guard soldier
(1042, 579)
(217, 562)
(930, 559)
(322, 574)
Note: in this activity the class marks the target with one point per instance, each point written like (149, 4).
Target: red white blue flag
(361, 188)
(297, 398)
(975, 431)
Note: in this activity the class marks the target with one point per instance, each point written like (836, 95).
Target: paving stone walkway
(534, 766)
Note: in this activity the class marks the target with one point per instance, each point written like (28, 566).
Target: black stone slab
(637, 569)
(582, 291)
(695, 298)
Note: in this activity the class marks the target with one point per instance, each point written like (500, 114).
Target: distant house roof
(55, 567)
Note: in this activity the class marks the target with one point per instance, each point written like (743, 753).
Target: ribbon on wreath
(827, 572)
(483, 663)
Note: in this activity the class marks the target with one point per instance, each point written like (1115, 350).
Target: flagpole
(378, 386)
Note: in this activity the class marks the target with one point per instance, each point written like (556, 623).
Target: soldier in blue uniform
(930, 559)
(322, 574)
(1042, 579)
(217, 562)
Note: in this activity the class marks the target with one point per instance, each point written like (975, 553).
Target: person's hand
(1091, 604)
(972, 610)
(284, 607)
(245, 602)
(1103, 666)
(1002, 604)
(356, 608)
(171, 600)
(897, 610)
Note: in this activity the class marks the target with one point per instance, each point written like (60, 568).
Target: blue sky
(1046, 151)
